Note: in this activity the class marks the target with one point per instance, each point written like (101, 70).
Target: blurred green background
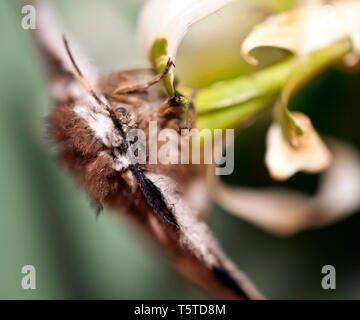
(47, 222)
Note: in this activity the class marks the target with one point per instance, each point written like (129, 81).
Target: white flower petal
(277, 211)
(310, 153)
(285, 212)
(307, 29)
(170, 20)
(339, 193)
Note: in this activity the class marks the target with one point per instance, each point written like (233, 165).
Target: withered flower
(292, 143)
(303, 31)
(286, 212)
(309, 153)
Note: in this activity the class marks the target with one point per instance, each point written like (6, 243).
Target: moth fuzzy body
(89, 125)
(96, 135)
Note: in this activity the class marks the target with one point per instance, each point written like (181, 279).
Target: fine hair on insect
(123, 124)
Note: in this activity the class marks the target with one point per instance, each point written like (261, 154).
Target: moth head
(125, 117)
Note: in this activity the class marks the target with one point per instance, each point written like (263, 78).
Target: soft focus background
(47, 222)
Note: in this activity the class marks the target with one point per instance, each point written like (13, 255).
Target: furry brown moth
(90, 125)
(123, 119)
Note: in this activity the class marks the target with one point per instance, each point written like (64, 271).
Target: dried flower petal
(310, 153)
(285, 212)
(339, 193)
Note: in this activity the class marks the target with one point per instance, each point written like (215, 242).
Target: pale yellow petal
(339, 193)
(284, 212)
(309, 155)
(307, 29)
(277, 211)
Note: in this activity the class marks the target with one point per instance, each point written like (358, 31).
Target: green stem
(233, 116)
(234, 92)
(305, 69)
